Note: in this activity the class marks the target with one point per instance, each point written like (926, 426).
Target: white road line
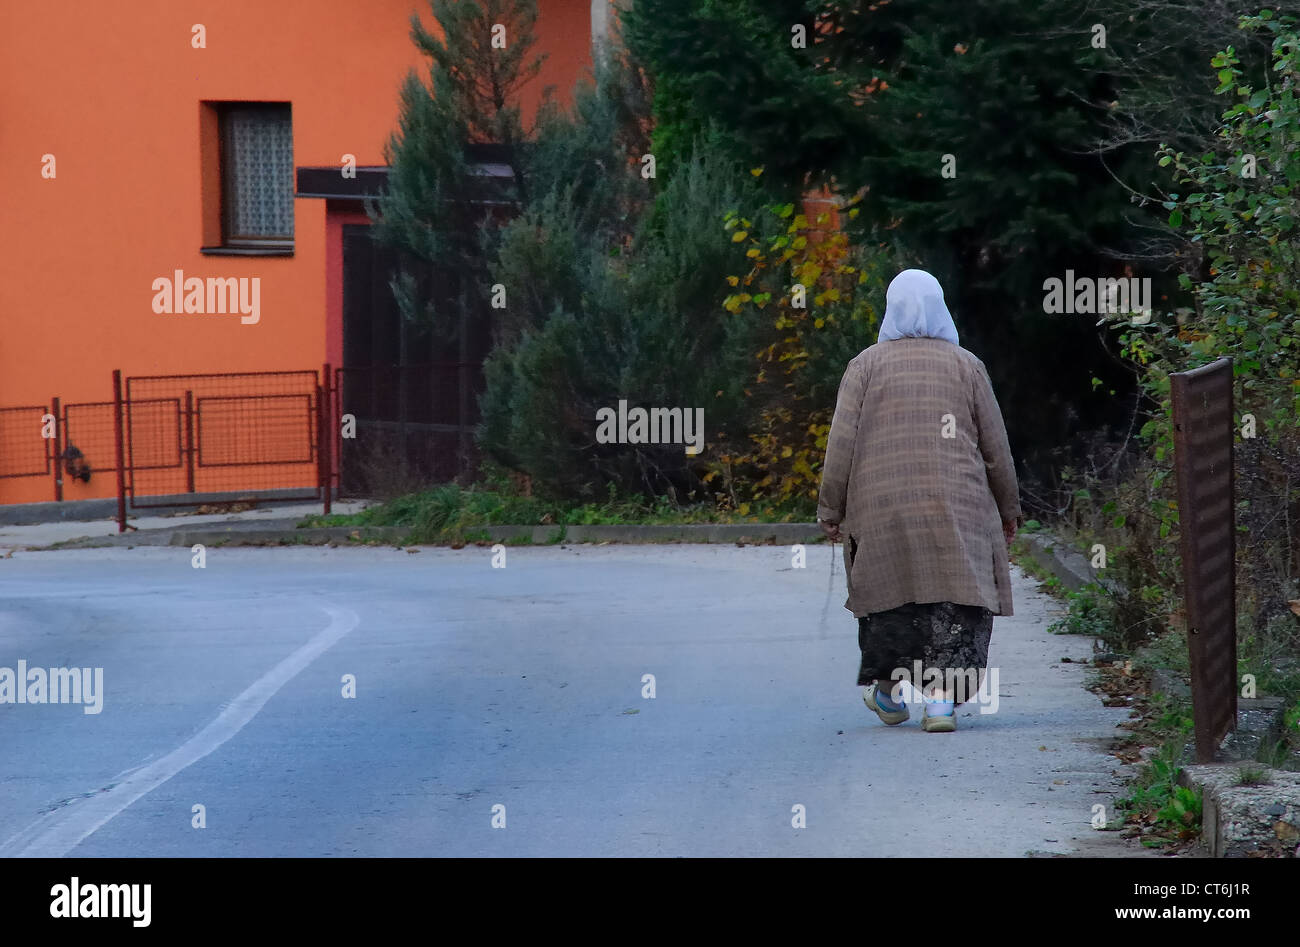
(58, 832)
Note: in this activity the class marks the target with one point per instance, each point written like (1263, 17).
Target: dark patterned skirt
(939, 635)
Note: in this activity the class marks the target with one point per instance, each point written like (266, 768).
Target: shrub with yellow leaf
(810, 302)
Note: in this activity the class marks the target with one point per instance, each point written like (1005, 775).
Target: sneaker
(944, 723)
(890, 718)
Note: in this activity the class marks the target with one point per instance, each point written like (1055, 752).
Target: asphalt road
(480, 687)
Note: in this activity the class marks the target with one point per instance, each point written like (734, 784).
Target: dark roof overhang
(490, 163)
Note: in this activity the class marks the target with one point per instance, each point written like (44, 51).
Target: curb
(1239, 821)
(1071, 567)
(284, 533)
(749, 534)
(286, 537)
(103, 508)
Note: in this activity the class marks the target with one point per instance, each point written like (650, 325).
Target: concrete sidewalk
(160, 529)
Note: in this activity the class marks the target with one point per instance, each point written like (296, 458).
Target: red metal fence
(219, 432)
(179, 435)
(87, 443)
(171, 439)
(78, 445)
(24, 450)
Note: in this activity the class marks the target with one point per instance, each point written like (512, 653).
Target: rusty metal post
(119, 437)
(338, 381)
(462, 396)
(56, 410)
(189, 441)
(1204, 427)
(325, 438)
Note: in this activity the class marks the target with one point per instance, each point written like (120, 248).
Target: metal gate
(182, 435)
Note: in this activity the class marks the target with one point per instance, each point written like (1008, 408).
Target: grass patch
(1272, 654)
(1291, 721)
(1088, 612)
(1167, 651)
(1252, 776)
(449, 512)
(1158, 808)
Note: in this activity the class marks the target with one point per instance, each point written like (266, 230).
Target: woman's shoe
(890, 718)
(941, 723)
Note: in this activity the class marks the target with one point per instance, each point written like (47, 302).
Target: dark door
(411, 384)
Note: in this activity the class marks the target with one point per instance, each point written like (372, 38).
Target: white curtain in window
(261, 172)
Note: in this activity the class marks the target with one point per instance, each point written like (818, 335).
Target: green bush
(1238, 207)
(1088, 612)
(800, 348)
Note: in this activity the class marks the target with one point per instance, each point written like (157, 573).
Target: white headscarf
(914, 308)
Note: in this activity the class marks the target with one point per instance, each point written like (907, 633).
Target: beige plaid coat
(919, 476)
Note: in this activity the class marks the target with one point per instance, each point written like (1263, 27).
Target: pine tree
(586, 195)
(428, 212)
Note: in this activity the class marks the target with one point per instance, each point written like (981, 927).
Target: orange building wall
(114, 92)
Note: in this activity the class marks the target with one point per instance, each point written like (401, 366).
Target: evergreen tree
(729, 72)
(984, 173)
(428, 212)
(594, 324)
(582, 173)
(612, 297)
(1012, 90)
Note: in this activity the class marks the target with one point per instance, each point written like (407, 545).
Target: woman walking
(920, 486)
